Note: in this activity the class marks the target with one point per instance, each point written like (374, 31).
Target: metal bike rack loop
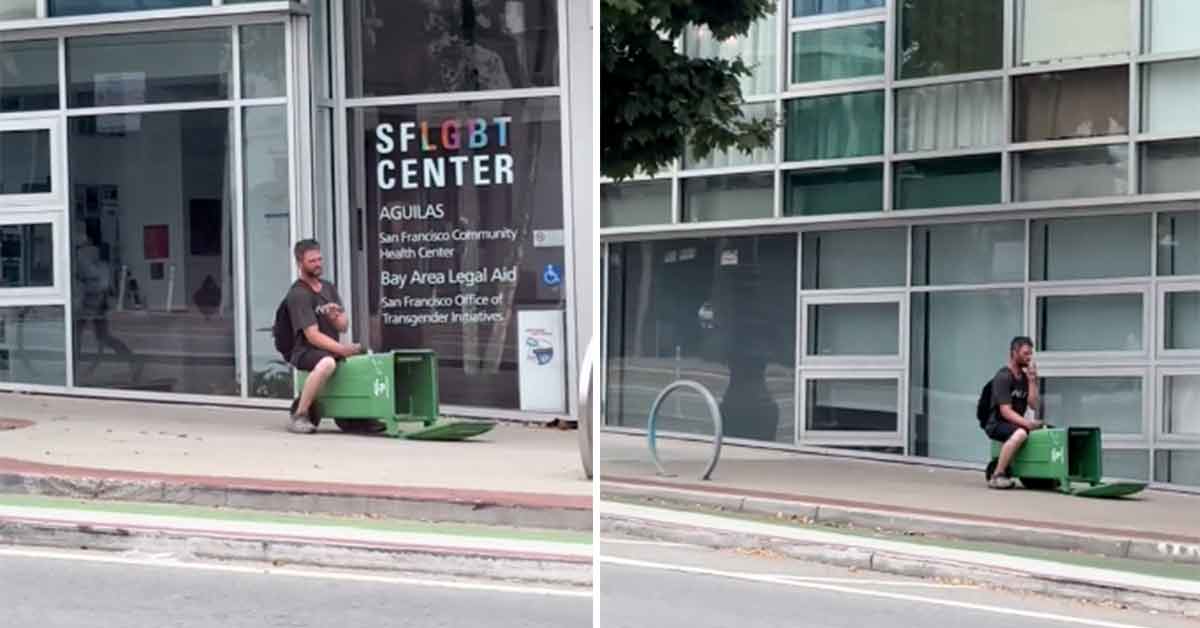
(713, 409)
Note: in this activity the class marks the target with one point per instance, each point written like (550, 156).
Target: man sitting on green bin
(1014, 390)
(318, 321)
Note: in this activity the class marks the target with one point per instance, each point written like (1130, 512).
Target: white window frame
(854, 362)
(833, 22)
(1166, 287)
(1141, 440)
(1068, 358)
(1163, 438)
(54, 294)
(56, 196)
(894, 438)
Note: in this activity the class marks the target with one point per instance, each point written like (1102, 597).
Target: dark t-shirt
(308, 308)
(1010, 389)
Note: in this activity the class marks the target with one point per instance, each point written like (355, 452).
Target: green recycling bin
(1057, 458)
(389, 389)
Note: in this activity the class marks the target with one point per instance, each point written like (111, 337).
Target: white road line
(291, 573)
(903, 597)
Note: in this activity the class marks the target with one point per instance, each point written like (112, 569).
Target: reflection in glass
(632, 203)
(1113, 404)
(1179, 466)
(952, 182)
(718, 311)
(33, 345)
(59, 8)
(25, 162)
(1181, 324)
(852, 405)
(1171, 166)
(144, 68)
(938, 37)
(757, 49)
(1170, 25)
(971, 253)
(263, 73)
(850, 329)
(268, 237)
(1181, 404)
(426, 46)
(1169, 93)
(26, 256)
(1128, 464)
(153, 255)
(1179, 243)
(728, 197)
(1060, 30)
(1065, 105)
(28, 75)
(837, 53)
(959, 340)
(830, 127)
(805, 8)
(1064, 173)
(731, 157)
(18, 9)
(846, 189)
(1096, 322)
(950, 116)
(1099, 247)
(863, 258)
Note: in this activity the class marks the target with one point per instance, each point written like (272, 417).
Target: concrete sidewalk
(515, 475)
(902, 498)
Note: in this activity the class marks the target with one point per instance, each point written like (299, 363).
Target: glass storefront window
(732, 157)
(671, 307)
(1169, 91)
(1181, 324)
(25, 162)
(848, 189)
(153, 289)
(1065, 105)
(1066, 173)
(1130, 464)
(26, 256)
(1179, 243)
(832, 127)
(1061, 30)
(1113, 404)
(1171, 166)
(853, 329)
(60, 8)
(958, 341)
(1097, 322)
(1169, 25)
(1181, 404)
(852, 405)
(322, 48)
(758, 49)
(1101, 247)
(865, 258)
(805, 8)
(938, 37)
(450, 46)
(633, 203)
(18, 10)
(952, 182)
(33, 345)
(28, 75)
(268, 234)
(145, 68)
(972, 253)
(1178, 466)
(263, 57)
(837, 53)
(728, 197)
(951, 116)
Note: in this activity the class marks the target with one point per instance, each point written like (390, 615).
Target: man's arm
(1010, 415)
(1034, 397)
(319, 340)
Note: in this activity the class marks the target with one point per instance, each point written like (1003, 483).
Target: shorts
(306, 358)
(1000, 430)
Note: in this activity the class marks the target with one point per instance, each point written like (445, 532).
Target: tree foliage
(654, 100)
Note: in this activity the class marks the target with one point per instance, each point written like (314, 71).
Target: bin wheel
(314, 411)
(991, 468)
(359, 426)
(1040, 484)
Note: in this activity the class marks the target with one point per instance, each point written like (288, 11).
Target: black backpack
(285, 336)
(983, 407)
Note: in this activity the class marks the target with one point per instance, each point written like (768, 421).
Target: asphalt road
(641, 584)
(41, 592)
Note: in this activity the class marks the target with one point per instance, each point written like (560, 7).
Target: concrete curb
(524, 510)
(848, 555)
(282, 550)
(1044, 537)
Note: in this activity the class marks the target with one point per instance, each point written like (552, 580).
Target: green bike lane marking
(1178, 571)
(250, 516)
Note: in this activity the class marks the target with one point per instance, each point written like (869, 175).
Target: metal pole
(713, 409)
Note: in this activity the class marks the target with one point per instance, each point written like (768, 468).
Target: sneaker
(301, 425)
(1001, 482)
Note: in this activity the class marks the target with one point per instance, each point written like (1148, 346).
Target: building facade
(947, 174)
(158, 158)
